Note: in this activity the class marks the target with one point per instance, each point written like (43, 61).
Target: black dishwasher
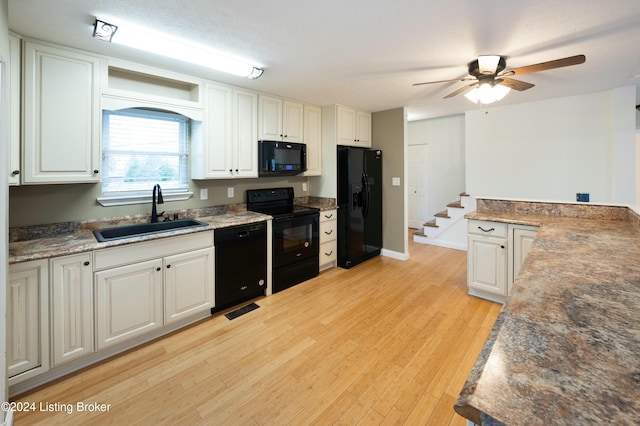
(241, 264)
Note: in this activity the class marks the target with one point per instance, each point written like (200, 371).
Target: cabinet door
(128, 302)
(346, 125)
(487, 268)
(27, 320)
(522, 241)
(214, 158)
(13, 83)
(270, 118)
(363, 129)
(292, 121)
(71, 307)
(61, 116)
(189, 284)
(313, 139)
(245, 127)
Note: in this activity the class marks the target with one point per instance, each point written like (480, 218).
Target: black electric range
(296, 235)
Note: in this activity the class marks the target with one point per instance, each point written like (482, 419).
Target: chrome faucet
(160, 200)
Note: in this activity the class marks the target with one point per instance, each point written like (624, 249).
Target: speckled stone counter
(566, 347)
(59, 239)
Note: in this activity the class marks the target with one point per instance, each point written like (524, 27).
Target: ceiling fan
(491, 79)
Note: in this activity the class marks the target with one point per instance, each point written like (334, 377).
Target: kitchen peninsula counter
(60, 239)
(566, 347)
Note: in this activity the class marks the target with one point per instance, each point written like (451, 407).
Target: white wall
(550, 150)
(445, 137)
(4, 197)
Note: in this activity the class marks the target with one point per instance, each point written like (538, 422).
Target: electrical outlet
(230, 192)
(204, 194)
(304, 186)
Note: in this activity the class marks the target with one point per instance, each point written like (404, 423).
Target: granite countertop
(60, 239)
(566, 347)
(45, 241)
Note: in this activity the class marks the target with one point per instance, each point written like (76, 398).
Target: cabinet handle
(329, 233)
(15, 172)
(86, 263)
(486, 230)
(96, 171)
(328, 254)
(328, 216)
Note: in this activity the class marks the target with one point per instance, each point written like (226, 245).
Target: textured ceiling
(368, 53)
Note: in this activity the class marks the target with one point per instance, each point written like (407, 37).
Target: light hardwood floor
(386, 342)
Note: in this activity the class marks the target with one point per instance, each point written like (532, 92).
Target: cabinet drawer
(328, 252)
(328, 215)
(487, 228)
(328, 231)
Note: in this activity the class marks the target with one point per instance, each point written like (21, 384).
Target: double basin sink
(129, 231)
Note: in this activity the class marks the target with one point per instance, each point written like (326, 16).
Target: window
(140, 148)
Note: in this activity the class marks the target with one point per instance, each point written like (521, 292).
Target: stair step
(443, 213)
(456, 205)
(464, 194)
(431, 223)
(419, 234)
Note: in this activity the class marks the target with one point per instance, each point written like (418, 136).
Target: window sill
(122, 200)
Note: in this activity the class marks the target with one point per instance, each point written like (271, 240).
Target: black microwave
(281, 158)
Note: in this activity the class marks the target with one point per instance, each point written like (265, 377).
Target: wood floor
(386, 342)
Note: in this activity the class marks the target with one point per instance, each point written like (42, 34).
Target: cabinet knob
(168, 266)
(501, 246)
(96, 171)
(158, 269)
(15, 172)
(86, 263)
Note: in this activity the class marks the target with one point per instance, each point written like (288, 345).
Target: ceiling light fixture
(160, 44)
(103, 30)
(487, 64)
(487, 93)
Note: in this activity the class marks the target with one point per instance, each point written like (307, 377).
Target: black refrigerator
(359, 204)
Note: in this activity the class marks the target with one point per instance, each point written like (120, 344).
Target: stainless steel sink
(128, 231)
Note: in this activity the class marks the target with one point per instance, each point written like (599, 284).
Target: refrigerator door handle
(366, 192)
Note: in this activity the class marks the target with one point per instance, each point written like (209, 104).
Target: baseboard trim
(394, 254)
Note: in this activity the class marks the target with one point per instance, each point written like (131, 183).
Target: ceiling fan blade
(543, 66)
(515, 84)
(460, 90)
(445, 81)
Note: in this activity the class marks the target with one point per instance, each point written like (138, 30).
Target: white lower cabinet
(71, 307)
(128, 302)
(186, 284)
(27, 320)
(144, 286)
(495, 253)
(328, 238)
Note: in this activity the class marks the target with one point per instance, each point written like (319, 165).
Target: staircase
(448, 228)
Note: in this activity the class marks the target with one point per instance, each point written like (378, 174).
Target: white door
(418, 206)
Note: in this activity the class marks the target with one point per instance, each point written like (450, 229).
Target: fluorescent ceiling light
(487, 93)
(160, 44)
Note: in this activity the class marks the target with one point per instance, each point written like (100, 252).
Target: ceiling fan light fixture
(488, 64)
(487, 93)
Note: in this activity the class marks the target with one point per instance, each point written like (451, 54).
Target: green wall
(388, 130)
(41, 204)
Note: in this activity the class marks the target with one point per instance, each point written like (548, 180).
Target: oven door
(295, 238)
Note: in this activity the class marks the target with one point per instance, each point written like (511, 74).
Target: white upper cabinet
(280, 119)
(13, 83)
(353, 127)
(229, 147)
(61, 116)
(313, 139)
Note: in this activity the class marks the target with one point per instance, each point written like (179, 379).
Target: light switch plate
(395, 181)
(204, 193)
(230, 192)
(304, 186)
